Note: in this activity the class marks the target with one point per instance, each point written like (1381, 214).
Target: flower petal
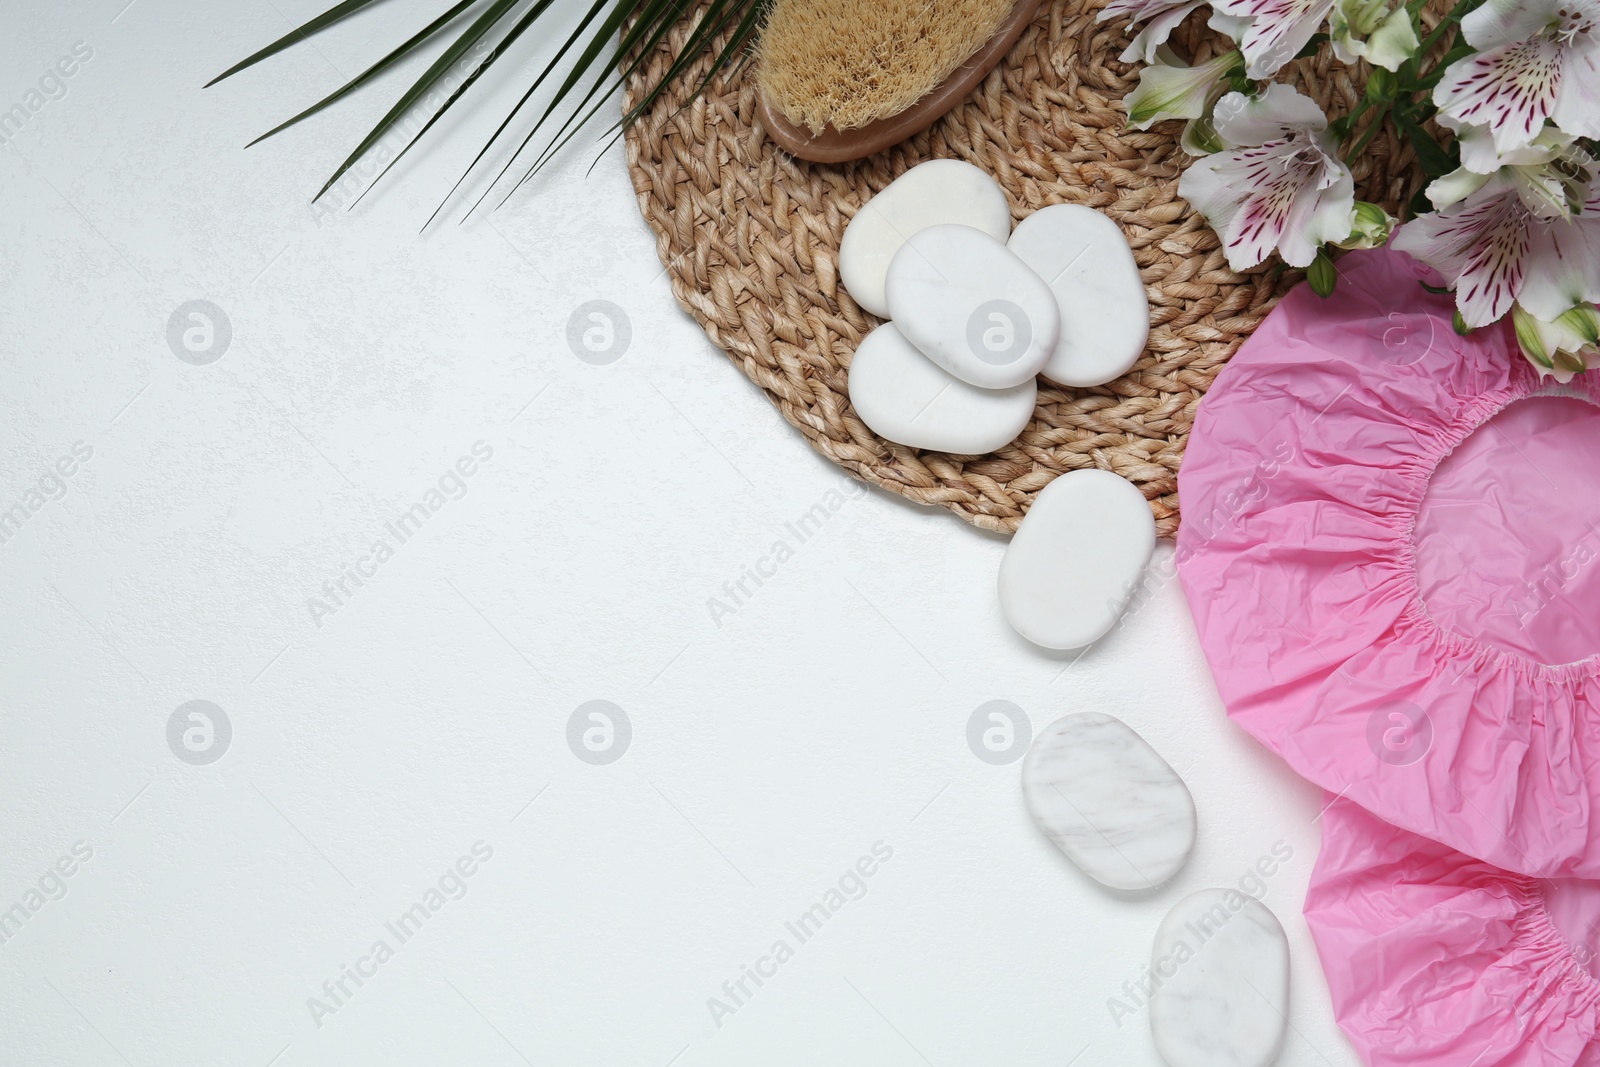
(1563, 267)
(1278, 30)
(1246, 120)
(1480, 245)
(1136, 10)
(1394, 42)
(1495, 265)
(1432, 239)
(1583, 320)
(1212, 196)
(1322, 211)
(1200, 137)
(1365, 29)
(1230, 26)
(1476, 145)
(1169, 91)
(1511, 90)
(1455, 187)
(1499, 21)
(1554, 347)
(1577, 109)
(1268, 178)
(1532, 340)
(1142, 49)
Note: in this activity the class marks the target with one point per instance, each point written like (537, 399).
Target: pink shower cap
(1435, 959)
(1389, 546)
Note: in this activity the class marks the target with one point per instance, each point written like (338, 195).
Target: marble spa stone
(1105, 315)
(938, 191)
(1076, 559)
(903, 396)
(1221, 967)
(1109, 801)
(970, 305)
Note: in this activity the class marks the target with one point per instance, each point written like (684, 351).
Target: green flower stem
(1457, 13)
(1459, 52)
(1360, 109)
(1372, 131)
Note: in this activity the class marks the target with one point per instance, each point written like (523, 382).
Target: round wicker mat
(750, 239)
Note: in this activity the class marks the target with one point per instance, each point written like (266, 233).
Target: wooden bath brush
(842, 79)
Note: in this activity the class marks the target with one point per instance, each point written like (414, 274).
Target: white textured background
(430, 710)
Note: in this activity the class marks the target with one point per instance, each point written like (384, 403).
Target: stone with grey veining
(970, 305)
(1221, 967)
(1105, 315)
(1109, 801)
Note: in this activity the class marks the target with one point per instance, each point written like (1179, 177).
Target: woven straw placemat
(750, 239)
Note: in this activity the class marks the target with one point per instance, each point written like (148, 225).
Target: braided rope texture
(749, 236)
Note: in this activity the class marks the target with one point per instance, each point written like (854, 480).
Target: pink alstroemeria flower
(1496, 250)
(1537, 60)
(1278, 183)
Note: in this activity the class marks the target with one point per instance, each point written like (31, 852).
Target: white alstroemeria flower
(1277, 184)
(1276, 30)
(1476, 144)
(1160, 17)
(1562, 347)
(1230, 26)
(1537, 60)
(1170, 90)
(1551, 175)
(1496, 251)
(1373, 31)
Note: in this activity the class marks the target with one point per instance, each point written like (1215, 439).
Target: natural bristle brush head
(847, 63)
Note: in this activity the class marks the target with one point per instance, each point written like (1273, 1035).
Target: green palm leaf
(404, 50)
(295, 36)
(718, 15)
(634, 28)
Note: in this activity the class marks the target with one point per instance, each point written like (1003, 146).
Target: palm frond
(633, 28)
(718, 14)
(395, 56)
(494, 54)
(295, 36)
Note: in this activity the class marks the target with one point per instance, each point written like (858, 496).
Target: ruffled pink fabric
(1435, 959)
(1427, 650)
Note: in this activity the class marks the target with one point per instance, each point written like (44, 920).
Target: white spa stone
(903, 396)
(1109, 801)
(1076, 559)
(940, 190)
(970, 305)
(1222, 963)
(1105, 315)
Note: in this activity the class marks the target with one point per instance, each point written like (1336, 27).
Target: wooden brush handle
(840, 146)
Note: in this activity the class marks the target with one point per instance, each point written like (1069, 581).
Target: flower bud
(1371, 227)
(1322, 275)
(1560, 348)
